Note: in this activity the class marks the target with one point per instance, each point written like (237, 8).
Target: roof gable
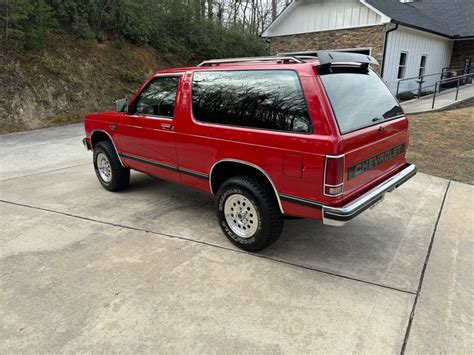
(449, 18)
(323, 15)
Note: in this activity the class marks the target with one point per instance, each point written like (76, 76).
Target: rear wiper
(380, 118)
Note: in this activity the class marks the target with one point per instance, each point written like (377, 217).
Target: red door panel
(148, 144)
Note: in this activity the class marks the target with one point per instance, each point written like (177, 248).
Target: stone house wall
(462, 50)
(364, 37)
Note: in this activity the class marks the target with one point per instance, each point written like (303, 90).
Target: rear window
(266, 99)
(359, 99)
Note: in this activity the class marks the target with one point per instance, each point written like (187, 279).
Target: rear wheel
(110, 172)
(248, 213)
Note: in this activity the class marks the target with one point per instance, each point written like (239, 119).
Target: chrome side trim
(150, 161)
(338, 216)
(301, 201)
(251, 165)
(193, 173)
(160, 164)
(113, 143)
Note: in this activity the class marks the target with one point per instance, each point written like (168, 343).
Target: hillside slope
(68, 78)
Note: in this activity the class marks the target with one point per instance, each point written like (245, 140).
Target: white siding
(322, 15)
(416, 43)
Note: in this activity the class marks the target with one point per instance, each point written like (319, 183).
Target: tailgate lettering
(372, 162)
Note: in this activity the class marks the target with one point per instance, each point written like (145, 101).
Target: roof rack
(305, 56)
(326, 58)
(209, 63)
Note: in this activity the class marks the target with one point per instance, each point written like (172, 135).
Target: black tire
(262, 197)
(119, 176)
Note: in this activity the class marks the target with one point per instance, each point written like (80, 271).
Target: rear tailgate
(372, 154)
(372, 125)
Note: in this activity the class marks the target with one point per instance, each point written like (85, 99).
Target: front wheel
(110, 172)
(248, 213)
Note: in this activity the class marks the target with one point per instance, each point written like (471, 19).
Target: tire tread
(120, 174)
(269, 205)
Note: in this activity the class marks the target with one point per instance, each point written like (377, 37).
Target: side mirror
(121, 105)
(130, 110)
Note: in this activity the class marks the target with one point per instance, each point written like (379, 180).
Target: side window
(402, 65)
(269, 99)
(158, 98)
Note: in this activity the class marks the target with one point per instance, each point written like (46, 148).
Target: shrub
(426, 93)
(170, 26)
(130, 76)
(404, 96)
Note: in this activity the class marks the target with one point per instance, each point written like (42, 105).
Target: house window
(402, 65)
(422, 65)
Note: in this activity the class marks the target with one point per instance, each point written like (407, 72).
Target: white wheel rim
(103, 167)
(241, 215)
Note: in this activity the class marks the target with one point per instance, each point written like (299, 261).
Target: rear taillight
(334, 176)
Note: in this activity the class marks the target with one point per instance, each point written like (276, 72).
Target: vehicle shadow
(367, 248)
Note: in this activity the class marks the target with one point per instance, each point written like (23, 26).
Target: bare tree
(209, 9)
(251, 16)
(7, 5)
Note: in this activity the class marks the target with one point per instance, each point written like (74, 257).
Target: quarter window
(422, 65)
(402, 65)
(268, 99)
(159, 97)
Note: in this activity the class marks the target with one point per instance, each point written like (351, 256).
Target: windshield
(359, 99)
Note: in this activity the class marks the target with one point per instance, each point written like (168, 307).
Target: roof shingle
(451, 18)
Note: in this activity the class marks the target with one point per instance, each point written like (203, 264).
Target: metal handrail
(421, 77)
(458, 78)
(248, 59)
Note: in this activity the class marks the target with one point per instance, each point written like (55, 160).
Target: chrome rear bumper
(338, 216)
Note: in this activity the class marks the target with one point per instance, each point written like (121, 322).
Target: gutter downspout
(385, 48)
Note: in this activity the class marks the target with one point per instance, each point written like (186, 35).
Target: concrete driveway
(148, 269)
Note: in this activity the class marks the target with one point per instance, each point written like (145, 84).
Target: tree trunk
(236, 9)
(254, 10)
(244, 20)
(209, 9)
(220, 12)
(274, 9)
(203, 8)
(7, 5)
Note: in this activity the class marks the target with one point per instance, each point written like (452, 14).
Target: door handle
(167, 126)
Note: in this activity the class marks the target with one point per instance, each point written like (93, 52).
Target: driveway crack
(422, 276)
(44, 172)
(171, 236)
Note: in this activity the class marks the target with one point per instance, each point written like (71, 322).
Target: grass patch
(63, 120)
(441, 143)
(130, 76)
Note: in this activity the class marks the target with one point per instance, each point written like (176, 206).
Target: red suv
(312, 137)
